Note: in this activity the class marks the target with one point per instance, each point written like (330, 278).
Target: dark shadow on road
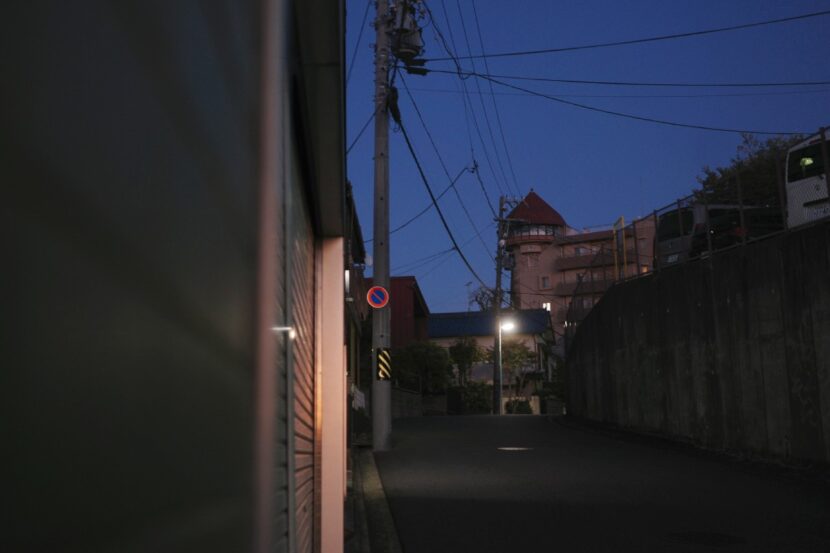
(451, 489)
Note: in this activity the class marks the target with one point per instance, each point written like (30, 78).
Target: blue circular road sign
(377, 296)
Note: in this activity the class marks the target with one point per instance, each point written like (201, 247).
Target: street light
(504, 326)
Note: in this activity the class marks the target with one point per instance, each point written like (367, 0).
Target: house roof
(534, 210)
(482, 323)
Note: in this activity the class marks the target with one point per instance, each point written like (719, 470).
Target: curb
(380, 526)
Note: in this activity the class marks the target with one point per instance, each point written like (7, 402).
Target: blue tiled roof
(482, 323)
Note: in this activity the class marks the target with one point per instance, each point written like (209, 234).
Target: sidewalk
(369, 524)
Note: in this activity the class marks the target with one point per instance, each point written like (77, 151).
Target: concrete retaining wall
(730, 353)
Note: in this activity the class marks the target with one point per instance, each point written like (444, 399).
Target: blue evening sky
(591, 167)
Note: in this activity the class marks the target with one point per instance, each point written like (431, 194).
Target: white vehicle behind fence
(806, 181)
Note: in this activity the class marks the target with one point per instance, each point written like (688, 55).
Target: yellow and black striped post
(384, 364)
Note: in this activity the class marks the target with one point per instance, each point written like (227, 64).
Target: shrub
(518, 407)
(478, 398)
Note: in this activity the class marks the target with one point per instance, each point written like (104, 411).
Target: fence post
(636, 249)
(708, 233)
(782, 193)
(655, 263)
(741, 204)
(825, 159)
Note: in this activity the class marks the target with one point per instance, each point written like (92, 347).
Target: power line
(481, 98)
(427, 208)
(365, 126)
(435, 202)
(468, 100)
(644, 40)
(412, 265)
(495, 104)
(359, 38)
(466, 74)
(637, 117)
(483, 189)
(640, 96)
(443, 165)
(442, 261)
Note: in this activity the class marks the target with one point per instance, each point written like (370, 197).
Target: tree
(517, 363)
(755, 165)
(464, 352)
(483, 297)
(423, 366)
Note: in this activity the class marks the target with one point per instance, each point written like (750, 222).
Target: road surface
(451, 488)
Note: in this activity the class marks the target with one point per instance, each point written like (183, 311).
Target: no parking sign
(377, 296)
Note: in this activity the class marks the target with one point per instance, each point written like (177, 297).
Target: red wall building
(409, 312)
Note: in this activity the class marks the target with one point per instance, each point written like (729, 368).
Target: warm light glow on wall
(289, 329)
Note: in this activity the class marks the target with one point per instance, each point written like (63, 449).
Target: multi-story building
(557, 267)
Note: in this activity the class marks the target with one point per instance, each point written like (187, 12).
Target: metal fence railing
(730, 210)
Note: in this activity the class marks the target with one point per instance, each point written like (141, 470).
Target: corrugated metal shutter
(281, 489)
(301, 289)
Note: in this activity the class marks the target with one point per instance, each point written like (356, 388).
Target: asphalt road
(580, 490)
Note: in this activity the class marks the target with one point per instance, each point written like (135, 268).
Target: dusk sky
(591, 167)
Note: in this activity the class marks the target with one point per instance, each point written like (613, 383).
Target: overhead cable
(639, 96)
(362, 130)
(443, 165)
(468, 100)
(495, 104)
(435, 202)
(359, 37)
(481, 98)
(428, 207)
(637, 117)
(412, 265)
(623, 83)
(643, 40)
(442, 261)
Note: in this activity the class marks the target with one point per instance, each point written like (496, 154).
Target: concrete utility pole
(381, 386)
(497, 369)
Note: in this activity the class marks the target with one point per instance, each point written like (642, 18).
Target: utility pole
(497, 368)
(381, 385)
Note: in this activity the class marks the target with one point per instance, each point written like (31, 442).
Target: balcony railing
(584, 261)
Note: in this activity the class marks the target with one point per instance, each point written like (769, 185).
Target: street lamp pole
(497, 384)
(508, 325)
(499, 362)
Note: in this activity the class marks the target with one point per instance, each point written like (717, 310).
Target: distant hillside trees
(755, 165)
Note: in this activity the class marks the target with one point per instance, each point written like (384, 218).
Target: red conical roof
(536, 211)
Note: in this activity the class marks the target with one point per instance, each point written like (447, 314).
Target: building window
(544, 282)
